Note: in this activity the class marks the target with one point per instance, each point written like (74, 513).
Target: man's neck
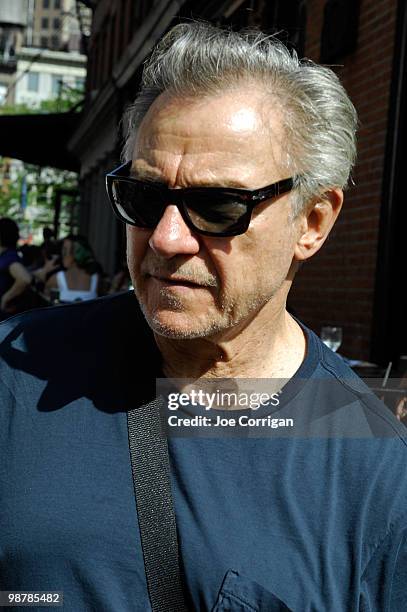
(272, 345)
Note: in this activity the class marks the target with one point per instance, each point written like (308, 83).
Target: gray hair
(198, 58)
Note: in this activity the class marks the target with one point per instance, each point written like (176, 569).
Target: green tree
(10, 198)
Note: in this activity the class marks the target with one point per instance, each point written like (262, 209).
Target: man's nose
(172, 236)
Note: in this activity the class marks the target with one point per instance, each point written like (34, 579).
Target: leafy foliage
(68, 99)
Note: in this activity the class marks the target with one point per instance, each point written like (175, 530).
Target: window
(57, 4)
(79, 83)
(44, 42)
(45, 4)
(55, 42)
(33, 81)
(44, 23)
(56, 84)
(57, 23)
(340, 30)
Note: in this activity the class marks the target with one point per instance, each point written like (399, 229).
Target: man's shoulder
(347, 405)
(85, 317)
(91, 349)
(61, 334)
(105, 326)
(358, 435)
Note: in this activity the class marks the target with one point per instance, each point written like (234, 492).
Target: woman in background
(80, 278)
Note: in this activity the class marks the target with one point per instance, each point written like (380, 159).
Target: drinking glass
(332, 337)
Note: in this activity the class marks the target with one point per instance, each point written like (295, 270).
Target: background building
(40, 47)
(13, 21)
(57, 24)
(29, 31)
(43, 76)
(357, 279)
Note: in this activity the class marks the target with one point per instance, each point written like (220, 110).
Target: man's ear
(316, 223)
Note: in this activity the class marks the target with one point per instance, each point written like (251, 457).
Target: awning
(40, 139)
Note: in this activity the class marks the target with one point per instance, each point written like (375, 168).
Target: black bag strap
(152, 485)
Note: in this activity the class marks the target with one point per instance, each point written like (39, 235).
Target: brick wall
(337, 285)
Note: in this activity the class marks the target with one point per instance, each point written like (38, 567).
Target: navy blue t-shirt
(311, 520)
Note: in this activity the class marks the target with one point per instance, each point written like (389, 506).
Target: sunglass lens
(217, 214)
(138, 204)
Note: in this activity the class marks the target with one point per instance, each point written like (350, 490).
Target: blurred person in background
(51, 253)
(80, 278)
(32, 257)
(14, 278)
(52, 263)
(50, 246)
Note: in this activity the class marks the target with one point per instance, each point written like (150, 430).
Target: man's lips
(174, 280)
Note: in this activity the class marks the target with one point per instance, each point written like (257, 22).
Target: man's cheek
(137, 245)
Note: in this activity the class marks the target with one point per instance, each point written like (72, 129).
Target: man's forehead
(142, 170)
(228, 116)
(226, 130)
(240, 113)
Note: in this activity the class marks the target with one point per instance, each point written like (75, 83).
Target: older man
(235, 161)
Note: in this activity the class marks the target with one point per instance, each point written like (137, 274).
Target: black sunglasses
(211, 211)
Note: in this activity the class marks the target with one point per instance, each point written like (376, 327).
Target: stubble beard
(228, 315)
(211, 325)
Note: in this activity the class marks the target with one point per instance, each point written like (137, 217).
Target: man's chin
(180, 326)
(176, 332)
